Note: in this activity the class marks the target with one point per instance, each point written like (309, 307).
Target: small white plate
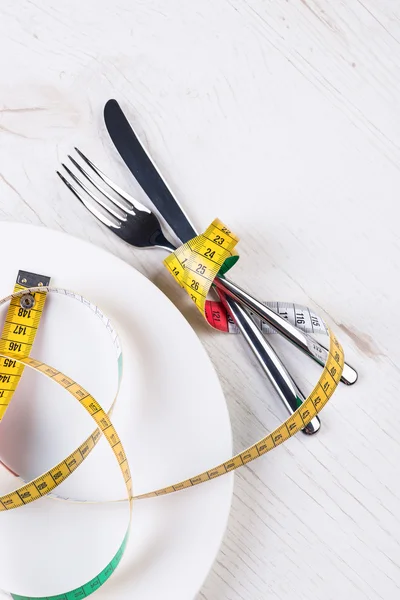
(171, 416)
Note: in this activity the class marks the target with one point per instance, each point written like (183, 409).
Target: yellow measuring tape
(194, 266)
(19, 331)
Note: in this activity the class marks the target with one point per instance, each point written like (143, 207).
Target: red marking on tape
(216, 315)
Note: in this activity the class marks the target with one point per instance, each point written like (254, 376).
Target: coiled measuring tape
(194, 266)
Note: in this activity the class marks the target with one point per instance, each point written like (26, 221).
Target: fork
(303, 341)
(137, 225)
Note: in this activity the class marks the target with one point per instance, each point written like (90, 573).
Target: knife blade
(145, 171)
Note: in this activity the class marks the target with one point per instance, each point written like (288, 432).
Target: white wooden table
(282, 118)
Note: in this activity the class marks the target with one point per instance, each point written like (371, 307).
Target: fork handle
(271, 364)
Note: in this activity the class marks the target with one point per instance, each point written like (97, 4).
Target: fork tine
(116, 212)
(111, 221)
(123, 206)
(134, 204)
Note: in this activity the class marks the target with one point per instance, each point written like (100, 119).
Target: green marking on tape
(88, 588)
(228, 264)
(120, 367)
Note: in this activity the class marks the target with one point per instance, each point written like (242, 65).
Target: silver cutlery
(138, 226)
(149, 177)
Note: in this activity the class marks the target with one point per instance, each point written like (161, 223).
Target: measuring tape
(19, 331)
(195, 266)
(197, 263)
(300, 316)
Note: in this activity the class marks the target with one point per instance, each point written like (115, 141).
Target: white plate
(171, 417)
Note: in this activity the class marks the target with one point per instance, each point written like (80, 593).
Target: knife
(150, 179)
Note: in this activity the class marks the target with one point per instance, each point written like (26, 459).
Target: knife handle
(301, 340)
(271, 364)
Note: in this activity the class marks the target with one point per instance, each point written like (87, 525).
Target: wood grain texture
(282, 118)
